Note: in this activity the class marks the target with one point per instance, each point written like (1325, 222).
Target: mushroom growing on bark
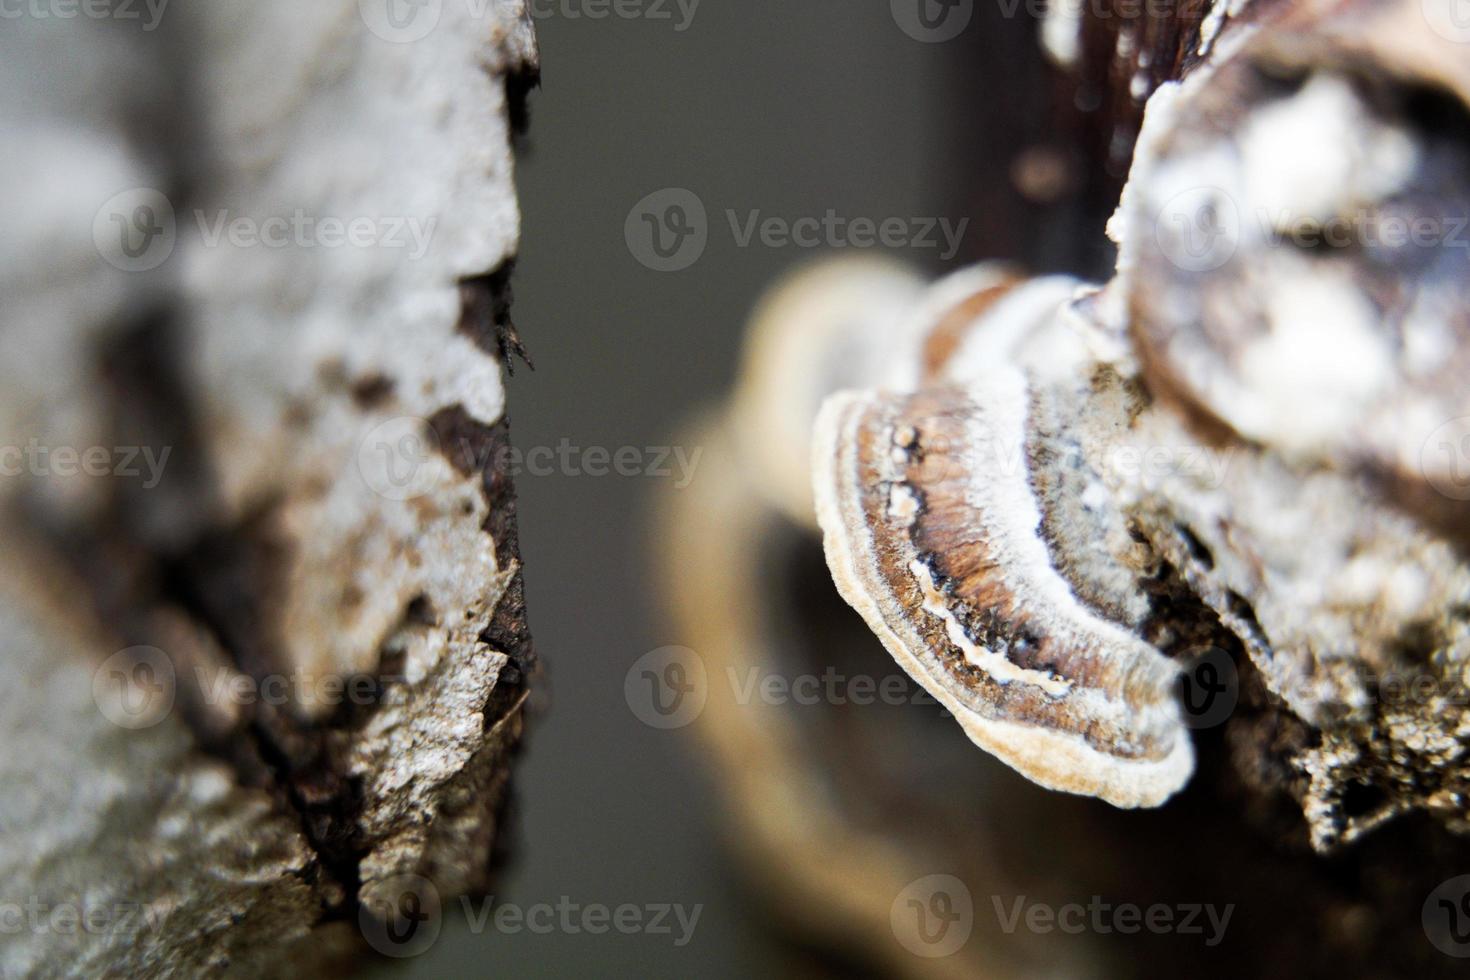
(1206, 516)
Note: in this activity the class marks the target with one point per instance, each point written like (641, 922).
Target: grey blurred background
(789, 108)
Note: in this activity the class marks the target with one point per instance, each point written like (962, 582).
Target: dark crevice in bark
(226, 582)
(159, 554)
(476, 449)
(520, 82)
(485, 303)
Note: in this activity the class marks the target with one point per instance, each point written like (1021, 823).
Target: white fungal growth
(1321, 360)
(1312, 154)
(1061, 31)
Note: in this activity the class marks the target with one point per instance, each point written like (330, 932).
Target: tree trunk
(260, 585)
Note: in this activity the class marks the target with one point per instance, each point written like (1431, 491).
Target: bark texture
(265, 687)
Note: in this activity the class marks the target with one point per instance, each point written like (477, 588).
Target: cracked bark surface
(330, 515)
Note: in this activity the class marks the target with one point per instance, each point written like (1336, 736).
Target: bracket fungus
(933, 529)
(1143, 537)
(1231, 444)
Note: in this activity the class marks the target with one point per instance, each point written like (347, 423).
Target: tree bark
(268, 649)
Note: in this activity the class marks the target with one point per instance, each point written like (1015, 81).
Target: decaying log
(1024, 505)
(1293, 286)
(269, 656)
